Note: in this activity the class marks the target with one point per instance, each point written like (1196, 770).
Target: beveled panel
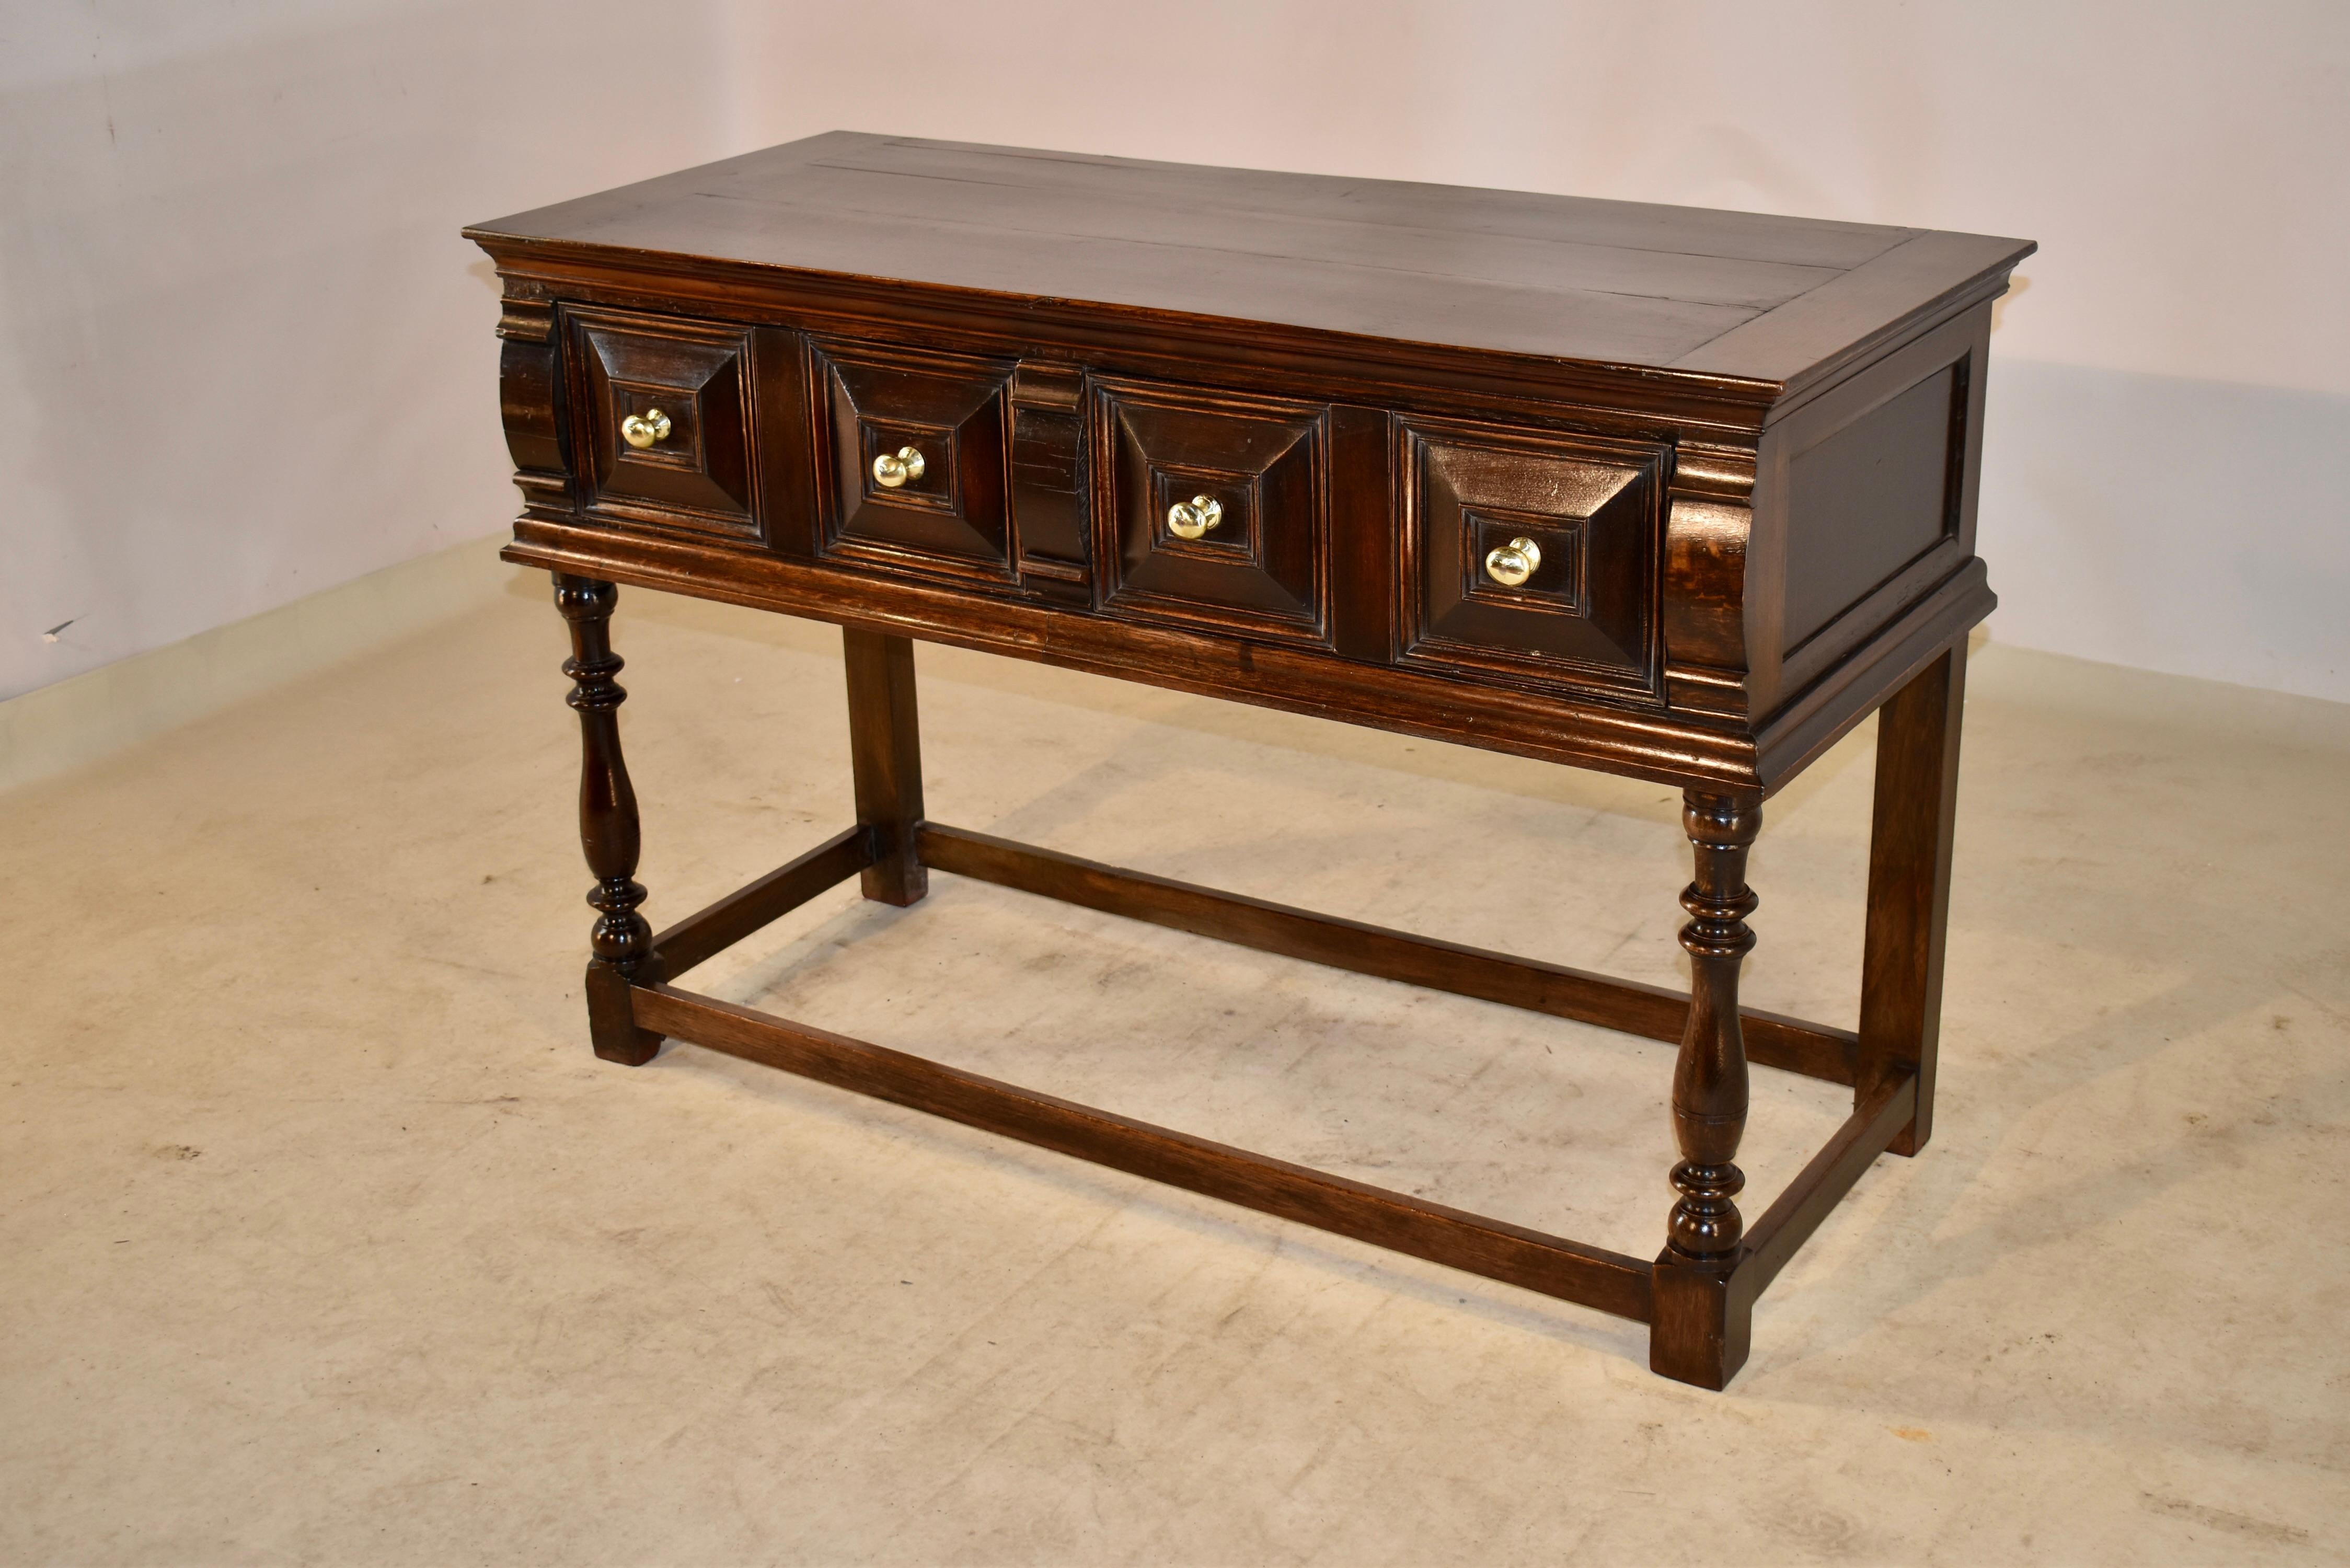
(1588, 616)
(951, 408)
(698, 476)
(1262, 570)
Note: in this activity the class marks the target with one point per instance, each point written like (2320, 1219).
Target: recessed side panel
(1864, 505)
(1871, 498)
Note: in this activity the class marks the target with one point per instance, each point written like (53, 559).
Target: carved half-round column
(622, 940)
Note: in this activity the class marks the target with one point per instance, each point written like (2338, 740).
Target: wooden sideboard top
(1675, 290)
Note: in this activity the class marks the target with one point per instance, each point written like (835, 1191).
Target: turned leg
(1699, 1333)
(1909, 887)
(621, 942)
(885, 752)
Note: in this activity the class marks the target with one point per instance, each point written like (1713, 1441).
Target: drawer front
(1210, 509)
(946, 514)
(1585, 612)
(664, 407)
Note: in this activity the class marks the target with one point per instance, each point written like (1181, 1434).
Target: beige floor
(327, 1241)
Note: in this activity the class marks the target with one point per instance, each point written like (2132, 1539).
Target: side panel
(1865, 504)
(1872, 498)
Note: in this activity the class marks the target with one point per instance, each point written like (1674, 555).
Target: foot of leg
(1701, 1325)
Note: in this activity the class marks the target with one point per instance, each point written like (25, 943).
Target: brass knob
(1514, 563)
(1190, 519)
(641, 430)
(892, 470)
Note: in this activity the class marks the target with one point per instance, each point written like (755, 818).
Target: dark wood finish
(1363, 549)
(1772, 1041)
(1407, 701)
(1709, 1077)
(1695, 1341)
(1702, 1326)
(1871, 499)
(698, 476)
(1568, 1270)
(789, 473)
(1588, 616)
(709, 932)
(532, 401)
(1915, 815)
(1263, 569)
(622, 940)
(885, 754)
(1699, 1316)
(1301, 680)
(1727, 294)
(1049, 480)
(1748, 446)
(757, 242)
(1813, 1196)
(954, 518)
(1849, 487)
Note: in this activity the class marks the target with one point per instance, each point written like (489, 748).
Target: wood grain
(1915, 819)
(1773, 1040)
(1560, 276)
(610, 836)
(885, 753)
(709, 932)
(1568, 1270)
(1749, 448)
(1772, 1240)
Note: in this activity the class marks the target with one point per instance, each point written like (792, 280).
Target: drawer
(1210, 509)
(939, 508)
(663, 407)
(1583, 612)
